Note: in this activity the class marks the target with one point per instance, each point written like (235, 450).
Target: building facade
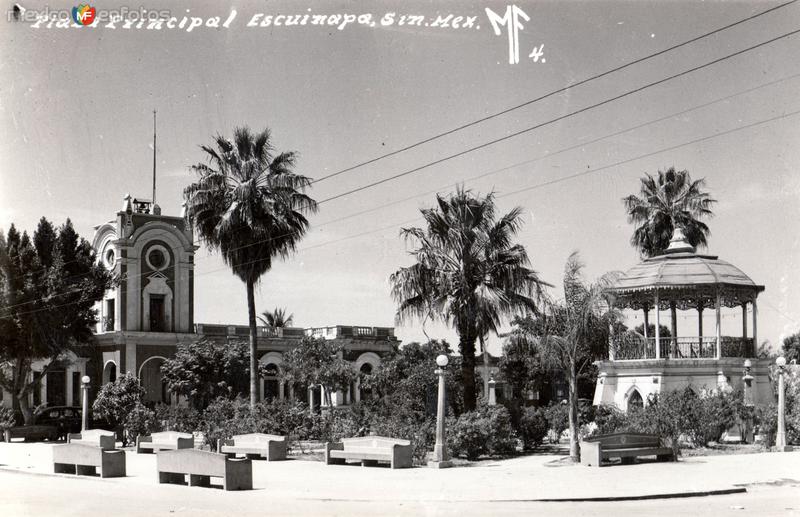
(150, 311)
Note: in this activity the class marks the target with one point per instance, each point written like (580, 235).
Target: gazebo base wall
(617, 381)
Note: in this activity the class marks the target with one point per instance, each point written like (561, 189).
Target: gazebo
(640, 364)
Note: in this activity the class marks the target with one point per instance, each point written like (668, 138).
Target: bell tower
(152, 255)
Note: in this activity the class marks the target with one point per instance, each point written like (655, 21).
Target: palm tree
(276, 318)
(250, 205)
(671, 199)
(570, 334)
(468, 273)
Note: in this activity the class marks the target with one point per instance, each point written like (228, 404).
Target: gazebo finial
(678, 242)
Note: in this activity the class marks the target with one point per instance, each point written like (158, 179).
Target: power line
(532, 187)
(550, 94)
(467, 180)
(557, 119)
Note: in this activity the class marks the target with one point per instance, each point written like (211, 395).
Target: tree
(48, 288)
(204, 370)
(791, 348)
(276, 318)
(569, 334)
(406, 379)
(117, 400)
(468, 273)
(250, 205)
(669, 200)
(318, 362)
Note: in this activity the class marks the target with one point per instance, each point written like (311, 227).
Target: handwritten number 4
(536, 53)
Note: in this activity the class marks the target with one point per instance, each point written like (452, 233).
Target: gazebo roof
(682, 276)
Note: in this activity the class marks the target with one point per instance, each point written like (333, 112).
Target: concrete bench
(201, 466)
(370, 450)
(164, 441)
(106, 440)
(626, 446)
(82, 459)
(271, 447)
(31, 433)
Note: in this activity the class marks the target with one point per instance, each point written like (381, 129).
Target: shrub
(610, 419)
(116, 400)
(183, 419)
(402, 422)
(7, 420)
(140, 420)
(557, 418)
(712, 416)
(533, 427)
(224, 418)
(486, 430)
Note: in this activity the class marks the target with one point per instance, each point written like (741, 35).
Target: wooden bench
(164, 441)
(106, 440)
(370, 450)
(626, 446)
(201, 466)
(271, 447)
(83, 459)
(32, 432)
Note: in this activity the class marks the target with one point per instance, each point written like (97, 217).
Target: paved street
(498, 488)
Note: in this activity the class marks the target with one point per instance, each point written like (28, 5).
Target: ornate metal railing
(108, 324)
(632, 346)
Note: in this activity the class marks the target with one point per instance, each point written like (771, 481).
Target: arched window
(635, 400)
(271, 382)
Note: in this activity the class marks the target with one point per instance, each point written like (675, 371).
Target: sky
(76, 123)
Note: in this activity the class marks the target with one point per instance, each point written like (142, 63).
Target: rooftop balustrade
(332, 332)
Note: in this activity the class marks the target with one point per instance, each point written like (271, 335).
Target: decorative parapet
(332, 332)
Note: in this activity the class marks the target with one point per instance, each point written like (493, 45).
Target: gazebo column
(700, 329)
(700, 324)
(673, 315)
(718, 329)
(755, 328)
(744, 320)
(658, 327)
(646, 310)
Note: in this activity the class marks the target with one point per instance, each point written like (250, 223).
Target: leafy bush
(6, 418)
(712, 415)
(224, 418)
(117, 400)
(487, 430)
(557, 418)
(140, 420)
(183, 419)
(610, 419)
(533, 427)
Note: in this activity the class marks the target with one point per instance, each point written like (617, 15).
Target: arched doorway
(152, 382)
(635, 400)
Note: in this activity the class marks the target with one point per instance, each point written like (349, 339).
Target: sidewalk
(537, 477)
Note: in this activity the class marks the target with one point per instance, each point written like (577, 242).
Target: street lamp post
(780, 438)
(85, 416)
(747, 381)
(441, 459)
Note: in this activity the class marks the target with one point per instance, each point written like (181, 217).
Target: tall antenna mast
(154, 159)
